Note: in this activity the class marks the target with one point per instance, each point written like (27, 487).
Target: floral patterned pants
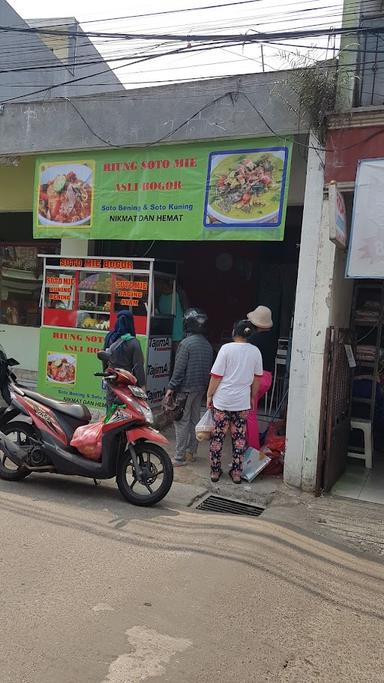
(236, 422)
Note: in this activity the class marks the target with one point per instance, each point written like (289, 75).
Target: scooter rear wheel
(157, 474)
(20, 433)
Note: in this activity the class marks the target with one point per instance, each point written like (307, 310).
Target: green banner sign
(234, 190)
(67, 363)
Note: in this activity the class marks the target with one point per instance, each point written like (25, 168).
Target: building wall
(23, 50)
(174, 113)
(341, 292)
(16, 184)
(312, 312)
(80, 54)
(22, 344)
(346, 145)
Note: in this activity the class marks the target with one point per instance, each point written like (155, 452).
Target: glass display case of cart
(94, 301)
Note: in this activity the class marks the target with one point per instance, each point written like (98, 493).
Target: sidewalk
(352, 523)
(260, 491)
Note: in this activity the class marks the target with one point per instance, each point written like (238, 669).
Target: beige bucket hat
(261, 317)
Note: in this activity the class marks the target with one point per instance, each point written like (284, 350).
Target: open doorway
(363, 477)
(228, 279)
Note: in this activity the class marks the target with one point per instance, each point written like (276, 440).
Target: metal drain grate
(231, 507)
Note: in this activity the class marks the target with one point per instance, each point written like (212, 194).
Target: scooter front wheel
(156, 474)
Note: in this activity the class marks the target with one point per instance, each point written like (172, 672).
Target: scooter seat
(74, 410)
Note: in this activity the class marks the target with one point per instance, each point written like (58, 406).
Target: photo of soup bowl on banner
(61, 368)
(246, 188)
(65, 194)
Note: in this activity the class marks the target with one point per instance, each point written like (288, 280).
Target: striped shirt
(192, 365)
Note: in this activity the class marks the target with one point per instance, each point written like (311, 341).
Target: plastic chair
(364, 426)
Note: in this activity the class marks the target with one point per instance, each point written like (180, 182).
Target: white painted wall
(74, 247)
(312, 317)
(342, 290)
(22, 343)
(323, 298)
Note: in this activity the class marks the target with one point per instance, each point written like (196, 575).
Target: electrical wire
(188, 52)
(110, 57)
(81, 78)
(242, 38)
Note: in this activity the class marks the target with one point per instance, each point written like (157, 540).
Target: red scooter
(124, 445)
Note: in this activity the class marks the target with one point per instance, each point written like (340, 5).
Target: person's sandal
(179, 463)
(215, 476)
(235, 476)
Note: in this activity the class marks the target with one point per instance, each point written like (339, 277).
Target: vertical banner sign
(366, 244)
(159, 368)
(235, 190)
(337, 217)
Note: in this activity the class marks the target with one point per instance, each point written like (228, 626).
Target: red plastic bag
(275, 467)
(88, 440)
(274, 446)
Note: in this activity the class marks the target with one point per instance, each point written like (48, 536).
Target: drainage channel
(229, 506)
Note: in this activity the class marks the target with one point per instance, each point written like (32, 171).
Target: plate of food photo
(65, 194)
(61, 368)
(245, 188)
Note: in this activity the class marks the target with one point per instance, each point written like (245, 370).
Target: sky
(261, 15)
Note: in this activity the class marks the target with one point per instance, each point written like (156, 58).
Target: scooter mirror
(104, 356)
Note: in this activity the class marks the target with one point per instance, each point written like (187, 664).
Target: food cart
(80, 301)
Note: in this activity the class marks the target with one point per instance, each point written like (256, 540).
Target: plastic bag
(174, 405)
(205, 427)
(274, 447)
(276, 465)
(254, 462)
(88, 440)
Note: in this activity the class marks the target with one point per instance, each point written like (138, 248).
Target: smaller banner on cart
(158, 369)
(366, 245)
(67, 363)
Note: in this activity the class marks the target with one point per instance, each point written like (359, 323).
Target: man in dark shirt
(266, 342)
(190, 379)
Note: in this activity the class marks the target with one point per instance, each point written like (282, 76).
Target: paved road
(96, 591)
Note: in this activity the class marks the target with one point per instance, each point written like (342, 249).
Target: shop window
(21, 276)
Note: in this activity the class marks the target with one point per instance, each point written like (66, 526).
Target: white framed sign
(350, 355)
(366, 244)
(338, 230)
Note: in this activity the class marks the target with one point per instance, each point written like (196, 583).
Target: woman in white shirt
(234, 383)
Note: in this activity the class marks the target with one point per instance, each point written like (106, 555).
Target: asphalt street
(97, 591)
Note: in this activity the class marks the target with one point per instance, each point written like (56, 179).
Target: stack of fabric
(369, 312)
(366, 353)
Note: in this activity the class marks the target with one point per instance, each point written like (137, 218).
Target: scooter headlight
(147, 414)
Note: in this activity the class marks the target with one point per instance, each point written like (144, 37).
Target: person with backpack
(125, 350)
